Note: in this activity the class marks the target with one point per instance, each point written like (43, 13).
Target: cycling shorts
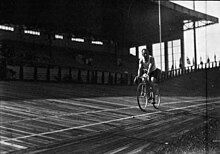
(156, 73)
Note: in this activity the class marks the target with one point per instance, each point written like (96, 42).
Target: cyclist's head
(145, 53)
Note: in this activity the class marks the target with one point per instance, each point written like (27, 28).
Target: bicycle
(146, 95)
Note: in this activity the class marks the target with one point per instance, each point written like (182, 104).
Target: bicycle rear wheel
(156, 103)
(142, 96)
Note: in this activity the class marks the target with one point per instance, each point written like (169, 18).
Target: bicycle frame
(145, 87)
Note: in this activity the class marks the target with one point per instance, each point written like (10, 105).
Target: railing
(189, 69)
(55, 73)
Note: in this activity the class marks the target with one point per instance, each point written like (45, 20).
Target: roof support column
(194, 34)
(166, 55)
(195, 51)
(182, 58)
(160, 34)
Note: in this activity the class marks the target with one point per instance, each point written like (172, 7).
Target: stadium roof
(130, 22)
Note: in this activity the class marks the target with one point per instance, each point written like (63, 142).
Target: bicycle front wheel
(142, 96)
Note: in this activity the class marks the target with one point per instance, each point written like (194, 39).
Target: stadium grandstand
(99, 46)
(79, 51)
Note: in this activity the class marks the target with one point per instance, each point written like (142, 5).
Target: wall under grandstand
(193, 81)
(67, 74)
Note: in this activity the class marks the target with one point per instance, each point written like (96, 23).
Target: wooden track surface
(71, 118)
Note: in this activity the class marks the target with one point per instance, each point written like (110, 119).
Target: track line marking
(6, 128)
(103, 122)
(14, 109)
(13, 145)
(88, 112)
(102, 101)
(118, 150)
(25, 132)
(188, 106)
(139, 149)
(70, 114)
(188, 101)
(3, 138)
(12, 115)
(74, 102)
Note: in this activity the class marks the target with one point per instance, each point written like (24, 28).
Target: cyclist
(147, 68)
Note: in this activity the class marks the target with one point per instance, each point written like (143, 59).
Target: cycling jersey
(145, 65)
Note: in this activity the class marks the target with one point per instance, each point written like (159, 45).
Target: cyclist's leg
(153, 83)
(154, 80)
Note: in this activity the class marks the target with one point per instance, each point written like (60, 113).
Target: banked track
(73, 118)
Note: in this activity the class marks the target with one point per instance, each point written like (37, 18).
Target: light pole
(160, 35)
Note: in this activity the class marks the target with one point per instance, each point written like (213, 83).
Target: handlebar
(145, 78)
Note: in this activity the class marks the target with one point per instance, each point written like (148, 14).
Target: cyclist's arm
(149, 68)
(152, 62)
(139, 68)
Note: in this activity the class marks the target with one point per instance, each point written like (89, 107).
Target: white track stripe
(2, 137)
(118, 149)
(25, 132)
(72, 103)
(104, 122)
(14, 109)
(102, 101)
(88, 112)
(70, 114)
(13, 145)
(16, 130)
(188, 101)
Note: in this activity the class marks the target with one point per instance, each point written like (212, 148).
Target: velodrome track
(38, 117)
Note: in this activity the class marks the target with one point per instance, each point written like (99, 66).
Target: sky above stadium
(208, 38)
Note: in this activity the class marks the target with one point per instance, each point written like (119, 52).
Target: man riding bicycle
(147, 69)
